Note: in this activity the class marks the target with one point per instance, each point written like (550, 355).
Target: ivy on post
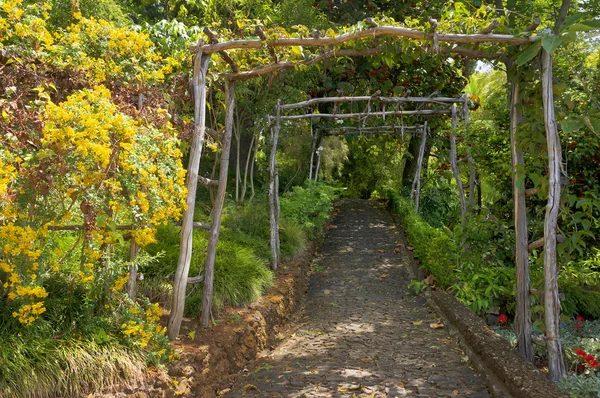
(273, 190)
(213, 234)
(187, 224)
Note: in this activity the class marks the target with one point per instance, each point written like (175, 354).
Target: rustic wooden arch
(453, 44)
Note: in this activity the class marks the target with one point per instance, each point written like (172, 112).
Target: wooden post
(187, 229)
(213, 234)
(455, 170)
(523, 303)
(273, 186)
(312, 152)
(416, 186)
(556, 364)
(134, 250)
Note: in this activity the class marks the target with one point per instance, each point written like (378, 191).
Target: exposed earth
(363, 332)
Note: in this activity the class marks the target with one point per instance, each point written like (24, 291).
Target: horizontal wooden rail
(313, 101)
(368, 114)
(396, 31)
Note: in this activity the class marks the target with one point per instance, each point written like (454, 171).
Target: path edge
(506, 372)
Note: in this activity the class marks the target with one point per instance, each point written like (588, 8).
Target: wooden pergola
(445, 44)
(448, 106)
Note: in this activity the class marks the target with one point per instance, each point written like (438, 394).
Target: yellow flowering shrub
(92, 166)
(103, 51)
(25, 25)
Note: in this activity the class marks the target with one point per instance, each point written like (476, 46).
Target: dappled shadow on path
(363, 333)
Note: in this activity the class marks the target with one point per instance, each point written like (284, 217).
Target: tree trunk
(410, 164)
(556, 363)
(248, 156)
(213, 235)
(252, 170)
(523, 303)
(134, 250)
(273, 187)
(187, 227)
(238, 174)
(455, 170)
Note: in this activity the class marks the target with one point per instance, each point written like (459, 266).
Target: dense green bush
(308, 207)
(435, 249)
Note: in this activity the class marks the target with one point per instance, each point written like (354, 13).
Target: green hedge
(436, 251)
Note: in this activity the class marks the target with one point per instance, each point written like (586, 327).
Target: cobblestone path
(363, 333)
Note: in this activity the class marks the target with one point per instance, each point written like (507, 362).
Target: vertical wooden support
(213, 234)
(134, 250)
(187, 228)
(455, 170)
(312, 152)
(319, 151)
(556, 364)
(416, 186)
(523, 303)
(273, 190)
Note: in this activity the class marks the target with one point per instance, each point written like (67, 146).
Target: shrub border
(506, 372)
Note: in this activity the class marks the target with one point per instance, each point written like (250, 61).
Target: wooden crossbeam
(372, 98)
(368, 33)
(368, 114)
(214, 40)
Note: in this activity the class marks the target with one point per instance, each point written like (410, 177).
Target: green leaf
(528, 53)
(536, 178)
(551, 43)
(571, 125)
(594, 23)
(571, 19)
(594, 124)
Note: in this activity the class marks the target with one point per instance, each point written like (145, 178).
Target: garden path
(363, 333)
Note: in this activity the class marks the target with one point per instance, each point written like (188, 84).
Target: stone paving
(363, 332)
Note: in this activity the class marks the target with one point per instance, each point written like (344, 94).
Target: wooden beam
(533, 25)
(536, 244)
(490, 28)
(82, 227)
(282, 66)
(259, 32)
(303, 104)
(187, 229)
(273, 190)
(213, 235)
(368, 33)
(214, 40)
(371, 114)
(208, 181)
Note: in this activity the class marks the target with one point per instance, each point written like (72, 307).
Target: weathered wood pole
(134, 250)
(523, 303)
(213, 234)
(455, 170)
(312, 154)
(416, 186)
(187, 228)
(273, 186)
(556, 363)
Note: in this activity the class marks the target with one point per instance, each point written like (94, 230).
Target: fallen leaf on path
(400, 244)
(429, 280)
(250, 387)
(383, 276)
(381, 251)
(397, 250)
(410, 248)
(417, 322)
(454, 392)
(436, 325)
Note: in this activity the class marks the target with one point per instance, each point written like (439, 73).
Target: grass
(65, 367)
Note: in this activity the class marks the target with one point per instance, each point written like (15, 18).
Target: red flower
(502, 318)
(589, 358)
(580, 318)
(578, 325)
(580, 353)
(594, 364)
